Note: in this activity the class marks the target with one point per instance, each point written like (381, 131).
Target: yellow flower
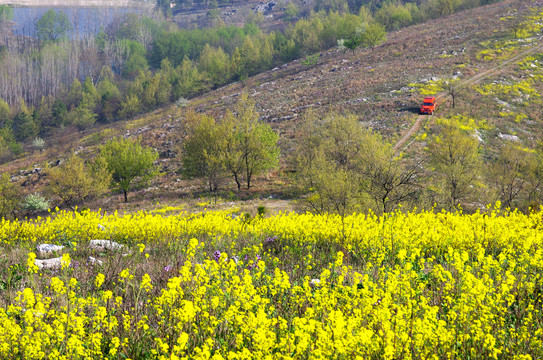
(99, 280)
(65, 261)
(31, 263)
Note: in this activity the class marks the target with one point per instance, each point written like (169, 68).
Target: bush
(35, 202)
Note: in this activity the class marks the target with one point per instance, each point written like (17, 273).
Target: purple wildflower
(167, 268)
(217, 255)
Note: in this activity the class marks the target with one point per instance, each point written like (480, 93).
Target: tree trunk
(237, 181)
(125, 195)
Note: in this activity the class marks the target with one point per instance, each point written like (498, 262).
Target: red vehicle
(428, 105)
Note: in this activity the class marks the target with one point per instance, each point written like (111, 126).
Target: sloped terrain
(381, 86)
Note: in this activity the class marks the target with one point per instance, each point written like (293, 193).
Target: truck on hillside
(428, 105)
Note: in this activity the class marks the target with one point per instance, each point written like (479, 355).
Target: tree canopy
(130, 163)
(53, 26)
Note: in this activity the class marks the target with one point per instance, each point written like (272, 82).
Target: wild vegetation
(381, 261)
(216, 285)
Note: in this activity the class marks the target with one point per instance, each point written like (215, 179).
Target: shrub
(35, 202)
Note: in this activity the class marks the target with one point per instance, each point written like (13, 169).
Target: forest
(141, 62)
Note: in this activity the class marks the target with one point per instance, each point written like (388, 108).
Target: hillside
(382, 87)
(77, 3)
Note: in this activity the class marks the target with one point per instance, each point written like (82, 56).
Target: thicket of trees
(240, 146)
(342, 167)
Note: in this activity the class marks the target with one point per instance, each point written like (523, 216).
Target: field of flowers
(419, 285)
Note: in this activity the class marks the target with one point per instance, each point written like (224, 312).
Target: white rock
(314, 282)
(104, 245)
(45, 249)
(508, 137)
(49, 264)
(94, 261)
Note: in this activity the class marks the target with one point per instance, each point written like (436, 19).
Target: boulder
(49, 264)
(94, 261)
(100, 245)
(46, 249)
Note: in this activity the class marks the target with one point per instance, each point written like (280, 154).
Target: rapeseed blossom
(405, 285)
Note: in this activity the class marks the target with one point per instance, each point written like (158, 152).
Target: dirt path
(442, 97)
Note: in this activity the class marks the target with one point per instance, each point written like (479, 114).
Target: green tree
(203, 151)
(251, 145)
(130, 163)
(454, 155)
(389, 180)
(53, 26)
(82, 116)
(130, 106)
(5, 114)
(291, 11)
(24, 126)
(109, 100)
(327, 164)
(74, 182)
(342, 167)
(10, 199)
(214, 63)
(59, 113)
(190, 80)
(393, 15)
(511, 173)
(136, 60)
(373, 35)
(6, 13)
(75, 95)
(453, 88)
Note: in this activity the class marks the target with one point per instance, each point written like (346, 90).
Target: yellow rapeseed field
(417, 285)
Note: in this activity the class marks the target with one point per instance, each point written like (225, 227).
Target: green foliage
(251, 145)
(311, 60)
(513, 174)
(53, 26)
(130, 163)
(214, 62)
(373, 35)
(136, 60)
(130, 106)
(5, 114)
(10, 198)
(75, 95)
(74, 182)
(291, 11)
(342, 167)
(393, 16)
(83, 116)
(59, 113)
(35, 203)
(24, 126)
(454, 154)
(204, 150)
(6, 13)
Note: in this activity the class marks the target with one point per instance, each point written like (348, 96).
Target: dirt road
(442, 97)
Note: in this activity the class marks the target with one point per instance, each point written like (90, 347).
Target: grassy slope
(372, 84)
